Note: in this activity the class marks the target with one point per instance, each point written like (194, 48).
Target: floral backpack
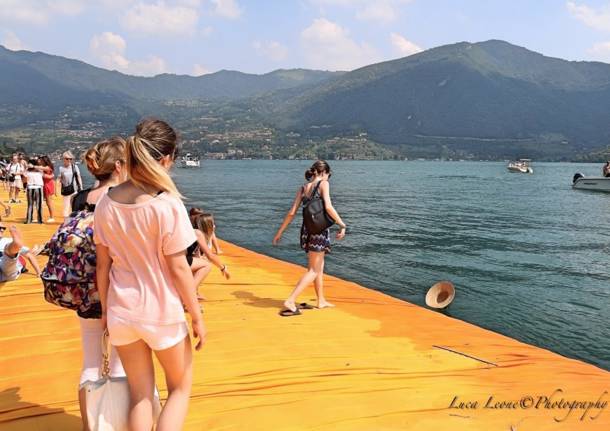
(69, 277)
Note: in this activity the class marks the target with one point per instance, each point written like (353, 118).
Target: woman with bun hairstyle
(315, 245)
(142, 231)
(199, 254)
(106, 162)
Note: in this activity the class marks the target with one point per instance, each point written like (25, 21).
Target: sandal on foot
(305, 306)
(287, 312)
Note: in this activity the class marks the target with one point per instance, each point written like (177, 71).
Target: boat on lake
(522, 166)
(189, 161)
(597, 184)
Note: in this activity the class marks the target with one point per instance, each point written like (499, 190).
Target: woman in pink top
(142, 231)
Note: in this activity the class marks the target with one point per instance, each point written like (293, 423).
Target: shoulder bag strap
(315, 188)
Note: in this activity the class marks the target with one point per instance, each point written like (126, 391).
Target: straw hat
(440, 295)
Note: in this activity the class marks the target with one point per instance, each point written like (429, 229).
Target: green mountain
(492, 99)
(224, 84)
(466, 100)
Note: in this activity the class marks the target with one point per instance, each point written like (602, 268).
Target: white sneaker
(51, 220)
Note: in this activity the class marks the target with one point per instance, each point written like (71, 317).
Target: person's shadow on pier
(256, 301)
(34, 416)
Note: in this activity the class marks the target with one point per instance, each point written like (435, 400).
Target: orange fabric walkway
(369, 364)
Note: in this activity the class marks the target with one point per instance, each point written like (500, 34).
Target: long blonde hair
(102, 157)
(153, 140)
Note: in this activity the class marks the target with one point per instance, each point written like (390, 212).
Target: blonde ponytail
(153, 140)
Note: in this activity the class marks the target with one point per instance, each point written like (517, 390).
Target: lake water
(528, 255)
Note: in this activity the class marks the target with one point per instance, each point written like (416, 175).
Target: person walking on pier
(142, 231)
(315, 237)
(70, 181)
(14, 171)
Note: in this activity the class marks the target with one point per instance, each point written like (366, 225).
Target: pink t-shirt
(139, 236)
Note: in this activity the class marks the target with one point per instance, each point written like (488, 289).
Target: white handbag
(108, 398)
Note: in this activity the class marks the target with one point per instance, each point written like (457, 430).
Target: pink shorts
(157, 337)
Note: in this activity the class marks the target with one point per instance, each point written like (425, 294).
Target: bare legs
(49, 202)
(13, 192)
(201, 268)
(177, 364)
(314, 274)
(319, 286)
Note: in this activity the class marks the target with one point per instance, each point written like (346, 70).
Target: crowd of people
(143, 264)
(35, 176)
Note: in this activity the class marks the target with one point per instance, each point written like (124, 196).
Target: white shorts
(157, 337)
(18, 183)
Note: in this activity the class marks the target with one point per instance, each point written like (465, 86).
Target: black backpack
(315, 217)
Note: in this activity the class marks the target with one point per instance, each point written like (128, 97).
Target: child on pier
(199, 254)
(142, 231)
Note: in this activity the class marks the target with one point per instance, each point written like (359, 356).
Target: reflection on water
(528, 255)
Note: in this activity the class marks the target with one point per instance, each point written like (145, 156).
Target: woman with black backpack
(318, 215)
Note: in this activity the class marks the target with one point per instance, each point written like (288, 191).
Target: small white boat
(189, 161)
(521, 166)
(597, 184)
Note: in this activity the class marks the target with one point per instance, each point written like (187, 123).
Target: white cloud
(598, 19)
(152, 66)
(272, 50)
(227, 8)
(38, 11)
(600, 52)
(11, 41)
(327, 45)
(199, 70)
(404, 46)
(108, 49)
(378, 11)
(369, 10)
(161, 18)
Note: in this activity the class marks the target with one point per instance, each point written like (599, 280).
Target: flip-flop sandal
(305, 306)
(287, 313)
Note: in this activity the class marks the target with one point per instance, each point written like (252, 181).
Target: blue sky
(146, 37)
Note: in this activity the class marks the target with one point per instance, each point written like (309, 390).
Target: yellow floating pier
(373, 363)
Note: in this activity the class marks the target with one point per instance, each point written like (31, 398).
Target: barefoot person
(142, 231)
(199, 254)
(315, 245)
(10, 265)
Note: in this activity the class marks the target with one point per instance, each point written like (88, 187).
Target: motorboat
(189, 161)
(597, 184)
(521, 166)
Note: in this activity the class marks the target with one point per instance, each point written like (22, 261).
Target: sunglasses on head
(2, 228)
